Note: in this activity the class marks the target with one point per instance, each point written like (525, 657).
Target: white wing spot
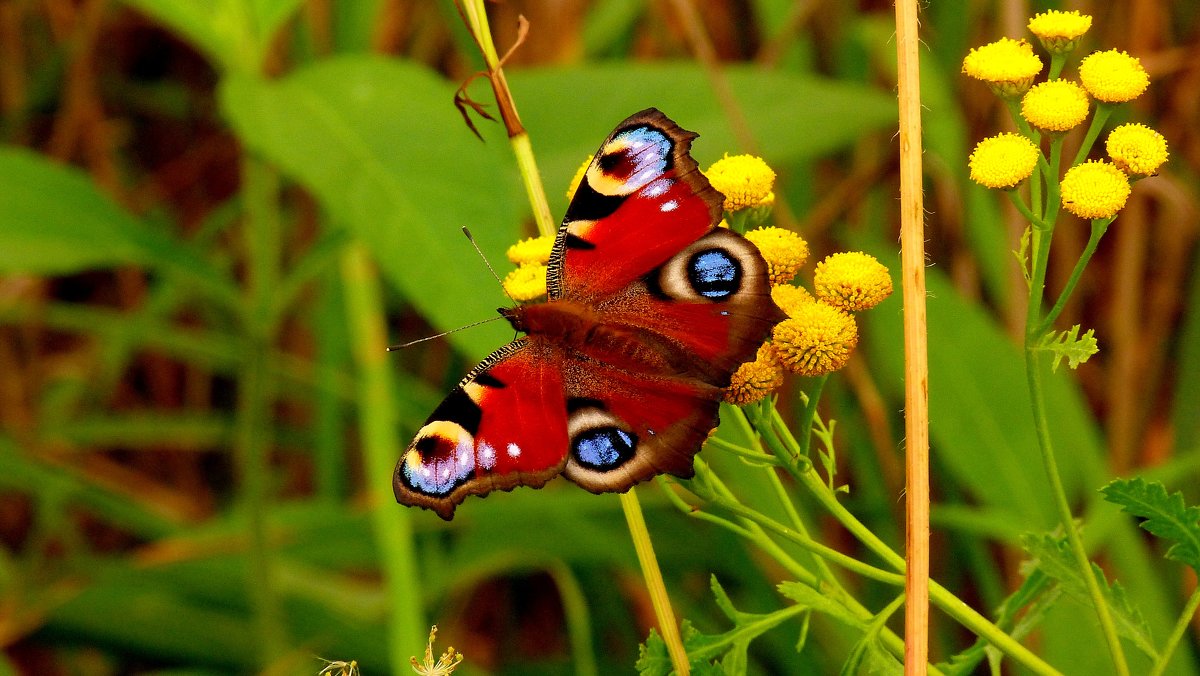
(514, 450)
(669, 205)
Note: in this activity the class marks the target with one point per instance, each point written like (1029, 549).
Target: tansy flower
(852, 281)
(755, 379)
(531, 250)
(745, 180)
(816, 340)
(1094, 189)
(579, 177)
(527, 282)
(789, 297)
(1003, 161)
(1113, 76)
(1055, 105)
(1137, 149)
(784, 251)
(1059, 32)
(1008, 66)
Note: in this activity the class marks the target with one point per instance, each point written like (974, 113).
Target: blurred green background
(207, 209)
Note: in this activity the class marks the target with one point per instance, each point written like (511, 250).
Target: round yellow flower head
(852, 281)
(755, 379)
(527, 282)
(1058, 31)
(1137, 149)
(1003, 160)
(1113, 76)
(531, 250)
(789, 297)
(817, 340)
(745, 180)
(784, 251)
(579, 173)
(1055, 105)
(1008, 66)
(1094, 189)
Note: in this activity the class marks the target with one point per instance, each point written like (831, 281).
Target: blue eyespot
(714, 274)
(603, 448)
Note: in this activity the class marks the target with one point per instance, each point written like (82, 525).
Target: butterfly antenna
(393, 348)
(471, 239)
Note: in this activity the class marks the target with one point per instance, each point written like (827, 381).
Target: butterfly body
(650, 309)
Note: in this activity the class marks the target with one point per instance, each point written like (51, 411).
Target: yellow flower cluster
(579, 173)
(745, 180)
(1008, 66)
(1058, 31)
(1003, 161)
(820, 332)
(1055, 105)
(1094, 190)
(528, 281)
(1137, 149)
(1113, 76)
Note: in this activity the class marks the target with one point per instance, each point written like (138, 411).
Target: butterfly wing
(679, 304)
(503, 426)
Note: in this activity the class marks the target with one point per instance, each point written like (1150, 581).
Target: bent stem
(1185, 621)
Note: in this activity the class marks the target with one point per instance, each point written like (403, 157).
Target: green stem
(1033, 321)
(253, 438)
(1019, 203)
(810, 414)
(1050, 216)
(1181, 627)
(1098, 229)
(1057, 61)
(376, 416)
(1103, 110)
(654, 583)
(1035, 183)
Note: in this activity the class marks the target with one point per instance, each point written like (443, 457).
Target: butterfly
(650, 309)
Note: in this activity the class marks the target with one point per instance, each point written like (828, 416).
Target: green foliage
(1164, 514)
(1051, 555)
(1076, 349)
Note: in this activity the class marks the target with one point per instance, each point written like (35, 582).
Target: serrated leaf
(813, 599)
(1053, 556)
(1022, 254)
(1165, 515)
(869, 654)
(1070, 345)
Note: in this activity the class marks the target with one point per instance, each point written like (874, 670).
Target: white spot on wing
(487, 455)
(514, 450)
(669, 205)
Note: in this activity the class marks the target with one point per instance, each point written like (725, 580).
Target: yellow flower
(1008, 66)
(789, 298)
(816, 340)
(531, 250)
(527, 282)
(1059, 32)
(1113, 76)
(1137, 149)
(745, 180)
(755, 379)
(579, 177)
(784, 251)
(1095, 189)
(1003, 161)
(852, 281)
(1055, 105)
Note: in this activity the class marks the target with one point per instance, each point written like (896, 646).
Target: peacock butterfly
(650, 309)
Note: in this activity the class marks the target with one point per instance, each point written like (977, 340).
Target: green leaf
(1069, 344)
(1052, 555)
(1022, 254)
(730, 647)
(1166, 516)
(234, 34)
(379, 143)
(812, 599)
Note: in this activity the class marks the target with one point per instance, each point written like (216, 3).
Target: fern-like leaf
(1068, 344)
(1165, 515)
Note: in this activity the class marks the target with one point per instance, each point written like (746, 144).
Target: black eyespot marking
(575, 242)
(603, 448)
(714, 274)
(458, 408)
(590, 205)
(611, 161)
(488, 380)
(577, 403)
